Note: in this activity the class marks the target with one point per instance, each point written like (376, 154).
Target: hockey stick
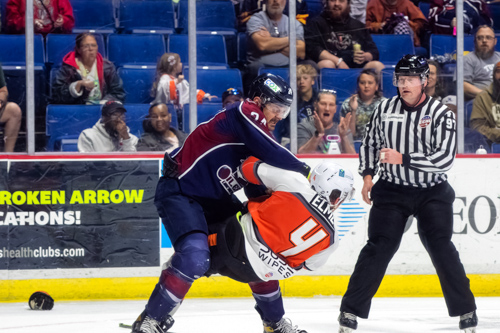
(122, 325)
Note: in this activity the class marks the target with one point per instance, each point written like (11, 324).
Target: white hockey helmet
(327, 177)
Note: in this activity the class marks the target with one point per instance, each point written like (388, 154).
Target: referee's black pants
(391, 207)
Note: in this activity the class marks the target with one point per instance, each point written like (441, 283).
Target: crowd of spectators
(340, 37)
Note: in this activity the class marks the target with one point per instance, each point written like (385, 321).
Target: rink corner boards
(218, 286)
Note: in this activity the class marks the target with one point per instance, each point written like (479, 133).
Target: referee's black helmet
(271, 89)
(412, 65)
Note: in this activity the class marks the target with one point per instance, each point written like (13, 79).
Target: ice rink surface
(236, 315)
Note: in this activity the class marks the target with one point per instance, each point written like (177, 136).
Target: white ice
(236, 315)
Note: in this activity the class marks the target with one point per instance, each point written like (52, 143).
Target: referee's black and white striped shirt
(425, 135)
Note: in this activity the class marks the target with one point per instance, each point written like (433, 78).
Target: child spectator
(363, 103)
(230, 96)
(110, 133)
(306, 79)
(85, 77)
(158, 134)
(50, 16)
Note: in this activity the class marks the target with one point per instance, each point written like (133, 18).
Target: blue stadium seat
(58, 45)
(357, 144)
(68, 143)
(211, 16)
(393, 47)
(68, 121)
(341, 80)
(314, 8)
(495, 148)
(281, 71)
(135, 115)
(424, 7)
(473, 140)
(13, 50)
(205, 112)
(147, 16)
(495, 15)
(442, 44)
(211, 50)
(3, 3)
(468, 113)
(216, 81)
(242, 48)
(137, 83)
(387, 86)
(136, 50)
(94, 16)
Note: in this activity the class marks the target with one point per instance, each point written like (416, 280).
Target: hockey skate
(146, 324)
(468, 322)
(347, 322)
(282, 326)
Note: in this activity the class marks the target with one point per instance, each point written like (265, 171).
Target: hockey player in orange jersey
(290, 229)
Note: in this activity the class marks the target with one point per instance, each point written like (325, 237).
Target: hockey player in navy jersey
(198, 183)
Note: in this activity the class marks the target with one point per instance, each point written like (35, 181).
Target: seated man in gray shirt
(479, 65)
(268, 43)
(322, 135)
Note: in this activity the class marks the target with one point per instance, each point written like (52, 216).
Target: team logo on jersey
(425, 121)
(274, 87)
(227, 179)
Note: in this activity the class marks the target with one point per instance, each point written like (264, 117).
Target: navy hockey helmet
(271, 89)
(411, 65)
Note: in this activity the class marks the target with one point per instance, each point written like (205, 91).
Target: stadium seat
(58, 45)
(13, 50)
(216, 81)
(3, 3)
(495, 148)
(495, 15)
(137, 83)
(242, 48)
(341, 80)
(205, 112)
(357, 144)
(68, 143)
(134, 117)
(468, 113)
(387, 86)
(147, 16)
(68, 121)
(281, 71)
(424, 7)
(211, 50)
(392, 48)
(211, 16)
(94, 16)
(442, 44)
(473, 140)
(136, 50)
(314, 7)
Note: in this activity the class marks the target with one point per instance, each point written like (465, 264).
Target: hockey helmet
(328, 177)
(272, 89)
(411, 65)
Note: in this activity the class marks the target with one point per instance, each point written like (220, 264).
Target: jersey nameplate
(393, 117)
(323, 208)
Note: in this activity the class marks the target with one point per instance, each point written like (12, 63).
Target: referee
(413, 137)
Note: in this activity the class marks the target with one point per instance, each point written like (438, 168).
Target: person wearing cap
(317, 136)
(485, 117)
(110, 133)
(230, 96)
(410, 143)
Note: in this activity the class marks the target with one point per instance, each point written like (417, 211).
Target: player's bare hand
(391, 156)
(367, 188)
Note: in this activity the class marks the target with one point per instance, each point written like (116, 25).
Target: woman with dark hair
(158, 134)
(362, 104)
(85, 77)
(434, 86)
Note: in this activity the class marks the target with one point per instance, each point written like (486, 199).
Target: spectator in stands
(335, 40)
(10, 116)
(363, 103)
(110, 133)
(434, 86)
(85, 77)
(268, 43)
(230, 96)
(50, 16)
(306, 78)
(158, 134)
(316, 137)
(478, 65)
(250, 7)
(358, 10)
(395, 17)
(442, 16)
(485, 117)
